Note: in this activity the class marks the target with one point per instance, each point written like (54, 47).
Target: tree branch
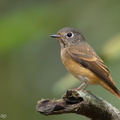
(79, 102)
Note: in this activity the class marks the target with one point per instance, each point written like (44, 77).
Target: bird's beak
(55, 36)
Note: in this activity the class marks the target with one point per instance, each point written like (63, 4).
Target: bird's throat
(62, 44)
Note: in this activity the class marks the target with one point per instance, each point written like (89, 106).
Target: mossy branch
(79, 102)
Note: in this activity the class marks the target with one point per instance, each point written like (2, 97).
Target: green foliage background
(30, 65)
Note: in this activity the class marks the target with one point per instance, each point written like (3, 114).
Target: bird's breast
(76, 69)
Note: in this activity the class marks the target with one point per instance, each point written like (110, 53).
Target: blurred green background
(30, 64)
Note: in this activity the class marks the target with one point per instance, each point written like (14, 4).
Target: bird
(81, 60)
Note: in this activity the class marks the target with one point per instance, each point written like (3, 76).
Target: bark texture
(79, 102)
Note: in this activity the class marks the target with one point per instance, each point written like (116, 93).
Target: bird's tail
(111, 88)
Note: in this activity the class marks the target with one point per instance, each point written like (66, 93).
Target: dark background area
(30, 64)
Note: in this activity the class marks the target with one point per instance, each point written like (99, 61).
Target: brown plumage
(82, 61)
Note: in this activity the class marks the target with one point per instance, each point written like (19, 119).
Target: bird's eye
(70, 34)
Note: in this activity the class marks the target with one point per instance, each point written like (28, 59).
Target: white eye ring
(70, 34)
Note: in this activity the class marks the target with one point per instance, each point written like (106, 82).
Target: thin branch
(79, 102)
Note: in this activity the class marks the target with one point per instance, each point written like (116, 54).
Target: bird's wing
(87, 57)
